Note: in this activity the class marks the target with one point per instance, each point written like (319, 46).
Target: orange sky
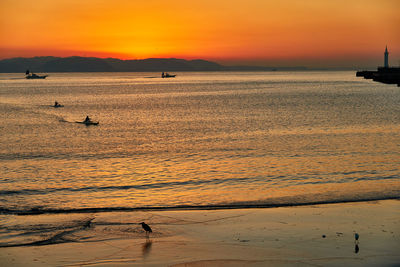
(256, 32)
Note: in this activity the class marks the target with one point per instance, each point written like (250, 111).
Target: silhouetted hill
(77, 64)
(20, 64)
(163, 64)
(91, 64)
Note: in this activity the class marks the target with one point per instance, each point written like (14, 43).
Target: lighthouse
(386, 65)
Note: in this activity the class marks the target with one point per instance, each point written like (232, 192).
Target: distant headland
(93, 64)
(385, 74)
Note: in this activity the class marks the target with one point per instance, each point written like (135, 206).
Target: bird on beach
(146, 227)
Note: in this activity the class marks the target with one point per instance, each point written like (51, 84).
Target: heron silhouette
(147, 228)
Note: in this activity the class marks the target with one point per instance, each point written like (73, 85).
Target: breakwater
(382, 74)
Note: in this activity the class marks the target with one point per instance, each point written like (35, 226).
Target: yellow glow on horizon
(209, 29)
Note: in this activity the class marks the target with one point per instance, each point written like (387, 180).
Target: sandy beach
(320, 235)
(244, 133)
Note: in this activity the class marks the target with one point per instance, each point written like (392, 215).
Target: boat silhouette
(167, 75)
(31, 75)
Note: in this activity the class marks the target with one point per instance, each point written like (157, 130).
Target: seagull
(146, 227)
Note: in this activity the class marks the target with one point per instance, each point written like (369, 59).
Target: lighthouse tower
(386, 58)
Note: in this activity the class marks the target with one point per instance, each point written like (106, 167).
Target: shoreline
(321, 235)
(37, 211)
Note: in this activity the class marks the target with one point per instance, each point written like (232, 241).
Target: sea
(201, 140)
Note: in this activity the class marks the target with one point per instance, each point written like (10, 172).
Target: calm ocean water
(200, 139)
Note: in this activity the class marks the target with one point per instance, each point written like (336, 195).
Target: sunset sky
(244, 32)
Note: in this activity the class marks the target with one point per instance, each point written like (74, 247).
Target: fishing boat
(88, 121)
(30, 75)
(57, 105)
(167, 75)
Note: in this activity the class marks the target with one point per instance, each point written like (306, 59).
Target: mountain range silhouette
(93, 64)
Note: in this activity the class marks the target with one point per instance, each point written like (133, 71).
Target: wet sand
(319, 235)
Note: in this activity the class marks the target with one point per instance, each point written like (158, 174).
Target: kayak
(87, 123)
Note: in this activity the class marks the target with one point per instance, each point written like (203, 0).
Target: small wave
(242, 205)
(121, 187)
